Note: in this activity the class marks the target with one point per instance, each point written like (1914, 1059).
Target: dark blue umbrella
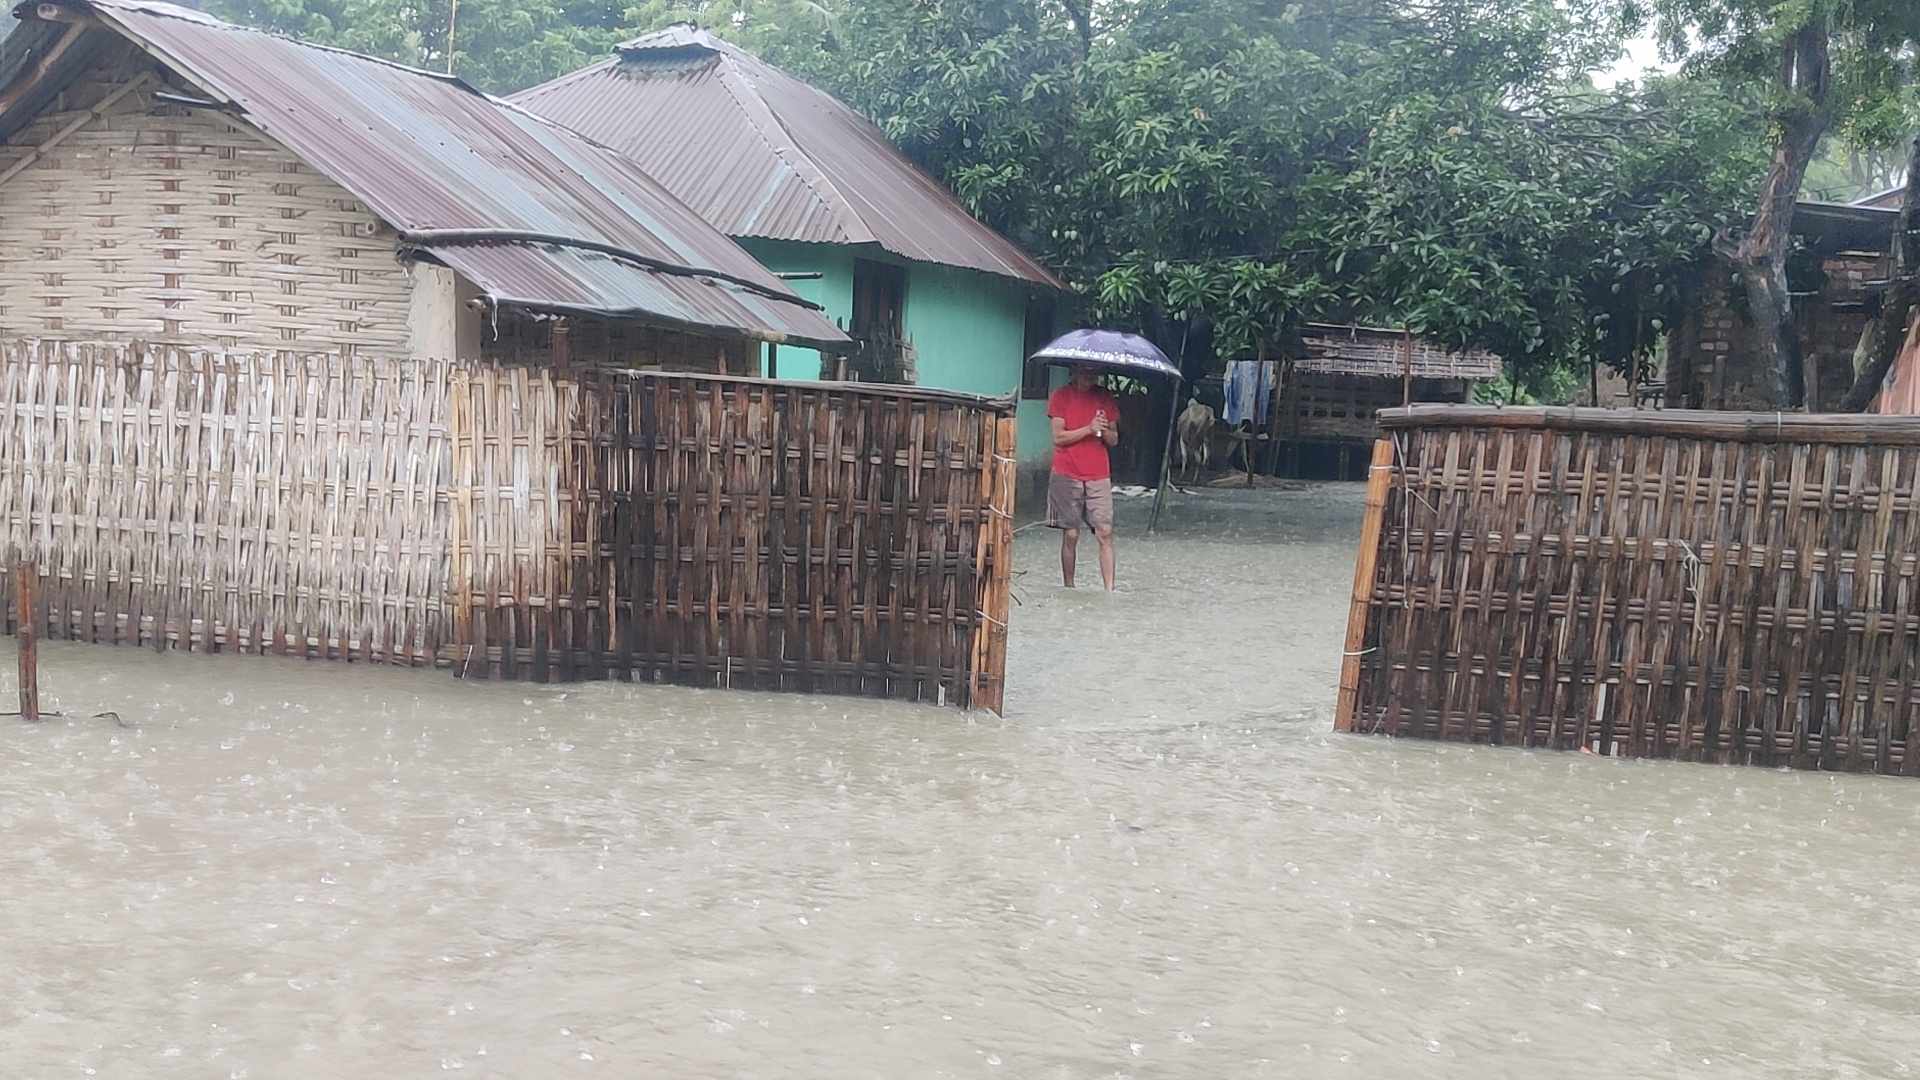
(1107, 350)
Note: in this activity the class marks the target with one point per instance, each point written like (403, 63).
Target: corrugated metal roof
(1889, 199)
(428, 153)
(1379, 352)
(1833, 227)
(761, 154)
(550, 276)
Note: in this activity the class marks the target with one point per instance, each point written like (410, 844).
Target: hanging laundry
(1249, 391)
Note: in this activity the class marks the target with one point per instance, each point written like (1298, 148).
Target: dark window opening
(880, 351)
(879, 297)
(1036, 381)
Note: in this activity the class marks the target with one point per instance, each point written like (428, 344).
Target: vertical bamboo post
(462, 552)
(453, 15)
(1166, 449)
(1166, 458)
(1253, 436)
(27, 629)
(1378, 478)
(1005, 481)
(1406, 368)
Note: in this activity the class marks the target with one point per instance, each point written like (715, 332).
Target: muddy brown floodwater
(1160, 864)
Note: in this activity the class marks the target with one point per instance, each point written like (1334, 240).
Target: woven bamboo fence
(209, 501)
(736, 532)
(511, 522)
(1725, 587)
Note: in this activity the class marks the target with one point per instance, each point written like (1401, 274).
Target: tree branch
(1080, 13)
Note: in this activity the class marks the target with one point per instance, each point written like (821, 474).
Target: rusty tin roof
(534, 214)
(761, 154)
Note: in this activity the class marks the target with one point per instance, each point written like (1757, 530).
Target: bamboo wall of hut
(1329, 397)
(511, 521)
(126, 218)
(1725, 587)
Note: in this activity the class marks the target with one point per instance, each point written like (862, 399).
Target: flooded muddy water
(1161, 863)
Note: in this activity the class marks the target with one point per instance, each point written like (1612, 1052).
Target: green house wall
(968, 328)
(832, 290)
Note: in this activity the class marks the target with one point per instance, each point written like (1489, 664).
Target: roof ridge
(540, 89)
(700, 38)
(760, 115)
(933, 185)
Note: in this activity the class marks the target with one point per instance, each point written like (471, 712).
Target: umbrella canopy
(1107, 350)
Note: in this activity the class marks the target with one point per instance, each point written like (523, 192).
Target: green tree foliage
(1446, 167)
(790, 33)
(506, 45)
(1546, 236)
(498, 45)
(1823, 65)
(1239, 166)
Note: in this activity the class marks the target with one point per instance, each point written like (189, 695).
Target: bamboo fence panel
(732, 532)
(513, 522)
(202, 500)
(1703, 586)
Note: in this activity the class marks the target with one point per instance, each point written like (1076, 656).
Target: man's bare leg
(1069, 550)
(1107, 560)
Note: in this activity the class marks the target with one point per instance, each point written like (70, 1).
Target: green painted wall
(968, 328)
(833, 290)
(969, 332)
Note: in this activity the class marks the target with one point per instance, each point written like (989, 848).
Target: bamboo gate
(512, 522)
(1729, 587)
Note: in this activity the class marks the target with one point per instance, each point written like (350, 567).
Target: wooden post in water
(1166, 458)
(27, 629)
(1378, 478)
(1406, 368)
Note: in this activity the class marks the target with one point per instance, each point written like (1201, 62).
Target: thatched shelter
(1329, 399)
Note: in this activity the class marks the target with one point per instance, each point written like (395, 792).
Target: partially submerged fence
(734, 532)
(1709, 586)
(509, 522)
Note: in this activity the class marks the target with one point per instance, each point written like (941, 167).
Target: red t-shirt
(1086, 459)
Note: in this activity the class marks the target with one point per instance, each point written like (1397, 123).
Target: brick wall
(1712, 362)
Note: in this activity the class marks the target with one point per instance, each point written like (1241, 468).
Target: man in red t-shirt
(1085, 422)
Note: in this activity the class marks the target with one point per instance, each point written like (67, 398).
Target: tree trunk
(1080, 13)
(1760, 258)
(1881, 339)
